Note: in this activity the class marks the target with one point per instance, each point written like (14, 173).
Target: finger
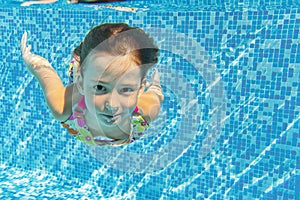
(155, 77)
(23, 42)
(155, 74)
(27, 51)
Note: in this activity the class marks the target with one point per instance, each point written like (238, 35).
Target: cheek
(130, 102)
(93, 103)
(98, 103)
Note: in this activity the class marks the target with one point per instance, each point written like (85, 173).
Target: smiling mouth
(110, 118)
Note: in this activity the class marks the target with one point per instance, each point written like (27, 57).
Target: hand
(155, 78)
(155, 85)
(32, 61)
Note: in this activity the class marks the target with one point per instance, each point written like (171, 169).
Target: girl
(105, 103)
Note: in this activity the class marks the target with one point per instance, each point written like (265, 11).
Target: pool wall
(229, 126)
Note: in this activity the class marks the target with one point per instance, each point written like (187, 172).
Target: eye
(127, 91)
(100, 89)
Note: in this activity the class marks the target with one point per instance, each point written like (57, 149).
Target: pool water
(229, 125)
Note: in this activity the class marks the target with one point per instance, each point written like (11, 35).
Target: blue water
(229, 126)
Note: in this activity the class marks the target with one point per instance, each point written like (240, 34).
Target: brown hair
(119, 39)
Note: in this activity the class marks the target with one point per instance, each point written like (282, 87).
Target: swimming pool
(229, 126)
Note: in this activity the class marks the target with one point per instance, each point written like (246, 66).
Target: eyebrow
(130, 85)
(102, 82)
(126, 84)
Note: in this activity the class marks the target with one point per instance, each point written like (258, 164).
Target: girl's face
(111, 86)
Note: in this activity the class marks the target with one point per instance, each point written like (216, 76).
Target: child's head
(119, 40)
(114, 59)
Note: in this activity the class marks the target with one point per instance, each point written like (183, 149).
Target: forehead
(103, 64)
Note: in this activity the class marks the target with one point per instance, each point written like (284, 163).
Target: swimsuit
(73, 69)
(77, 127)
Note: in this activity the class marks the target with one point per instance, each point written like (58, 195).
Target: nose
(109, 108)
(111, 103)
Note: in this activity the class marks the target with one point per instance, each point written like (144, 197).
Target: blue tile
(240, 53)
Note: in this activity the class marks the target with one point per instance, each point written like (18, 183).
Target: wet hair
(119, 39)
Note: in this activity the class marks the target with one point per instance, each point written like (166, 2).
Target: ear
(79, 83)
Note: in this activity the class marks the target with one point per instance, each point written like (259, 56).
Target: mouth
(110, 119)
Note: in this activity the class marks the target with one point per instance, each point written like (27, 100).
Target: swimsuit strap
(73, 68)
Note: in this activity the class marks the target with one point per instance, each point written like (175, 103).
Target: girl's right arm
(150, 100)
(58, 97)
